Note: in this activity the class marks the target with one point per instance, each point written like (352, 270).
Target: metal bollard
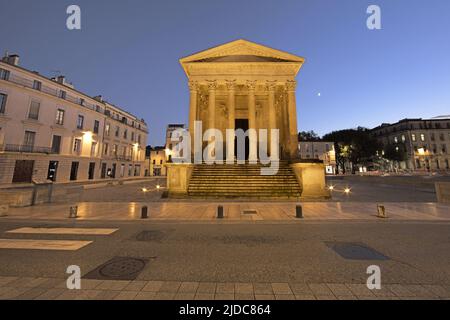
(73, 213)
(381, 211)
(144, 212)
(299, 212)
(220, 212)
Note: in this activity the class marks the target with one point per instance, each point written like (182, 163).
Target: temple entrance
(242, 124)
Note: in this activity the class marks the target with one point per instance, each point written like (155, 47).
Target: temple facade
(244, 85)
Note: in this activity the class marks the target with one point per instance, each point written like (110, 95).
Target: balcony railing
(27, 149)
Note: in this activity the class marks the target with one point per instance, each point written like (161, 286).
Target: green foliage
(395, 152)
(353, 145)
(308, 136)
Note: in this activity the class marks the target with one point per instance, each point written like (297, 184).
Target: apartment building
(426, 142)
(319, 150)
(156, 161)
(49, 131)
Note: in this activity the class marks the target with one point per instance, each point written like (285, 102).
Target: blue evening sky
(128, 51)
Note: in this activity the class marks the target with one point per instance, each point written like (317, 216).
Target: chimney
(61, 79)
(99, 98)
(12, 59)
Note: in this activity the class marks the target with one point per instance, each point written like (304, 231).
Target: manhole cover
(355, 251)
(119, 268)
(151, 235)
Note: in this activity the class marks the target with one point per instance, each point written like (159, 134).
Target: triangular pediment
(241, 51)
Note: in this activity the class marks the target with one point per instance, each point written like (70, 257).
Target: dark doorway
(113, 171)
(103, 174)
(23, 171)
(74, 171)
(52, 170)
(91, 171)
(242, 124)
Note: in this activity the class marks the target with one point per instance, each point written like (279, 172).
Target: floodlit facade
(426, 141)
(51, 132)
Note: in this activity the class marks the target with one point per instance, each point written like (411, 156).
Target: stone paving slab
(206, 211)
(53, 289)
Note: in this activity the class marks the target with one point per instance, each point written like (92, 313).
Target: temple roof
(241, 51)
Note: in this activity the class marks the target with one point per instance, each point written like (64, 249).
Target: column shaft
(253, 154)
(272, 115)
(292, 109)
(231, 86)
(193, 88)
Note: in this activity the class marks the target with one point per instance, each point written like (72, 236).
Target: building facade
(157, 161)
(426, 142)
(243, 85)
(51, 132)
(319, 150)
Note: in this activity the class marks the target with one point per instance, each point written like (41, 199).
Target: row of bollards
(298, 212)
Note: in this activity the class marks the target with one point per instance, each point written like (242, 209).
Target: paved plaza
(264, 254)
(235, 211)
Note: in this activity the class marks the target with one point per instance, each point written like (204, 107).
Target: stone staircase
(243, 181)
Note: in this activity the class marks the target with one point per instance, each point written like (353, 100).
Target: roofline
(36, 74)
(298, 59)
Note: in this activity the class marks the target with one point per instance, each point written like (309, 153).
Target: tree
(355, 146)
(395, 152)
(308, 136)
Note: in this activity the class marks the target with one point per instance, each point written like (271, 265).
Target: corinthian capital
(271, 85)
(231, 85)
(212, 85)
(251, 84)
(291, 85)
(193, 85)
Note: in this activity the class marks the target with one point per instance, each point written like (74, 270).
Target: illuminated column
(253, 154)
(231, 86)
(271, 85)
(292, 113)
(212, 86)
(193, 88)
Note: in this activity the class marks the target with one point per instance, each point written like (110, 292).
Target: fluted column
(193, 88)
(292, 110)
(253, 153)
(271, 85)
(212, 86)
(231, 86)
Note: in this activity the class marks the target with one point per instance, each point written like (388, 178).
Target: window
(96, 126)
(107, 129)
(37, 85)
(125, 134)
(106, 149)
(395, 139)
(4, 74)
(80, 122)
(117, 132)
(422, 137)
(56, 144)
(77, 146)
(433, 137)
(413, 137)
(130, 169)
(62, 94)
(132, 136)
(160, 161)
(29, 138)
(34, 110)
(60, 116)
(403, 138)
(52, 169)
(74, 171)
(154, 161)
(93, 149)
(115, 149)
(139, 139)
(82, 101)
(3, 102)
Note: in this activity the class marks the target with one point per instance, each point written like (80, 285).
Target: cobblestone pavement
(207, 211)
(56, 289)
